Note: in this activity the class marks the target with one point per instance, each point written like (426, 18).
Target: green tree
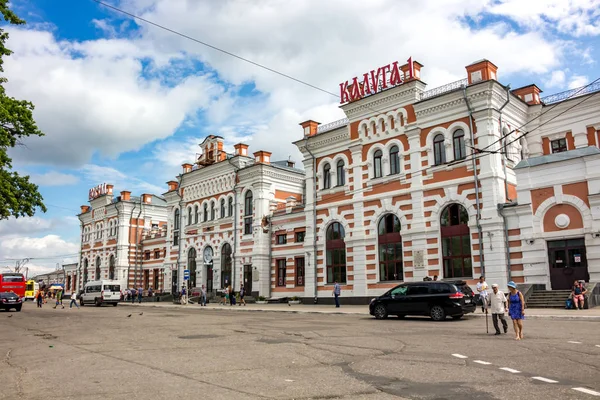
(18, 196)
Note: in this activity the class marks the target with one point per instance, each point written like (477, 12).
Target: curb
(590, 318)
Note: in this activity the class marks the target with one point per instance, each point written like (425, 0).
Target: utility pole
(19, 264)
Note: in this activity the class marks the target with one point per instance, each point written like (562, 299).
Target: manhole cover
(198, 337)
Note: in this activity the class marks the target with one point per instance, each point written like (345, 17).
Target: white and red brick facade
(392, 193)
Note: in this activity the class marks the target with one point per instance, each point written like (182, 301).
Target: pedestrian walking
(58, 299)
(40, 298)
(140, 294)
(482, 289)
(203, 296)
(226, 298)
(242, 295)
(516, 309)
(73, 300)
(133, 293)
(183, 295)
(231, 296)
(337, 290)
(497, 303)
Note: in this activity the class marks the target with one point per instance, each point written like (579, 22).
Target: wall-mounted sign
(97, 191)
(375, 81)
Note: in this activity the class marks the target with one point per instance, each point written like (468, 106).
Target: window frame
(327, 176)
(394, 160)
(458, 137)
(248, 211)
(222, 208)
(439, 149)
(562, 145)
(335, 247)
(455, 232)
(205, 212)
(281, 238)
(298, 234)
(340, 173)
(389, 241)
(377, 163)
(300, 269)
(281, 269)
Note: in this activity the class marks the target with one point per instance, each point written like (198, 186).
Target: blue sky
(126, 103)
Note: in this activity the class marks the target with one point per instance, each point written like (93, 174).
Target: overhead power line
(215, 48)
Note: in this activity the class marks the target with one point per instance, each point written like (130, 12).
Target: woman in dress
(516, 309)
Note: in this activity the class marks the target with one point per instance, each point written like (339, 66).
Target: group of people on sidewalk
(500, 304)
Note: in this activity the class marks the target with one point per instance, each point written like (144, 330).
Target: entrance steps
(548, 298)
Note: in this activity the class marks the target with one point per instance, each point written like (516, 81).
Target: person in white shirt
(482, 289)
(497, 303)
(73, 300)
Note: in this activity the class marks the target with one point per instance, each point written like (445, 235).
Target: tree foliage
(18, 196)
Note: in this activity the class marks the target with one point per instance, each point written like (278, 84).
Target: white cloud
(54, 178)
(578, 81)
(557, 79)
(107, 96)
(97, 173)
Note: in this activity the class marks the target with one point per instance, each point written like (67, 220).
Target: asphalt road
(100, 353)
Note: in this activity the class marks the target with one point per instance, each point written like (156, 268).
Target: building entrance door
(209, 277)
(248, 280)
(174, 285)
(568, 262)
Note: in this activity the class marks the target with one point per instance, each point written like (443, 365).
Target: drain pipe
(504, 158)
(506, 242)
(116, 245)
(137, 245)
(316, 292)
(270, 254)
(476, 179)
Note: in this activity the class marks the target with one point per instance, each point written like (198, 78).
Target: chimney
(187, 167)
(483, 70)
(125, 195)
(172, 185)
(147, 198)
(85, 209)
(262, 157)
(310, 127)
(241, 149)
(109, 190)
(290, 203)
(416, 73)
(529, 94)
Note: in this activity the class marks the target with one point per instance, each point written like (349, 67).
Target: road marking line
(588, 391)
(459, 356)
(571, 341)
(512, 371)
(598, 345)
(482, 362)
(540, 378)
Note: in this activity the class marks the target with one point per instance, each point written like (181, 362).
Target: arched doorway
(85, 270)
(390, 248)
(191, 264)
(111, 267)
(208, 264)
(98, 268)
(456, 242)
(226, 263)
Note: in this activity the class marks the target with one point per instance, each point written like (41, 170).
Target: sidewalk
(536, 313)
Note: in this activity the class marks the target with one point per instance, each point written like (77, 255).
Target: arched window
(189, 216)
(377, 169)
(336, 253)
(458, 139)
(230, 206)
(205, 217)
(226, 263)
(176, 222)
(85, 270)
(326, 176)
(222, 208)
(248, 213)
(341, 177)
(191, 265)
(111, 267)
(394, 160)
(439, 153)
(196, 212)
(98, 262)
(390, 248)
(213, 211)
(456, 242)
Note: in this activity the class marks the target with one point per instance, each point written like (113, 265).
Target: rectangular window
(300, 237)
(300, 271)
(336, 265)
(176, 238)
(559, 145)
(247, 225)
(146, 255)
(281, 267)
(155, 279)
(281, 239)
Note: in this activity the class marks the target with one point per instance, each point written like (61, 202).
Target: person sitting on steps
(578, 294)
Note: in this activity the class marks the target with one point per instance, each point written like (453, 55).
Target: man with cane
(498, 305)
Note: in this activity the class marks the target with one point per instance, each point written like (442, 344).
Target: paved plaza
(191, 352)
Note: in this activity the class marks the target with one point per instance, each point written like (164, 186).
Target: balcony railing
(332, 125)
(555, 98)
(444, 89)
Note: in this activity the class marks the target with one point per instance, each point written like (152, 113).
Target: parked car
(101, 292)
(10, 300)
(437, 299)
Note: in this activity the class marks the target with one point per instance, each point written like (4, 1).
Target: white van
(101, 292)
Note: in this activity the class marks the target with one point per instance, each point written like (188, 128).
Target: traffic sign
(186, 274)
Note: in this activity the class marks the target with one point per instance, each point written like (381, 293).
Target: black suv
(437, 299)
(10, 300)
